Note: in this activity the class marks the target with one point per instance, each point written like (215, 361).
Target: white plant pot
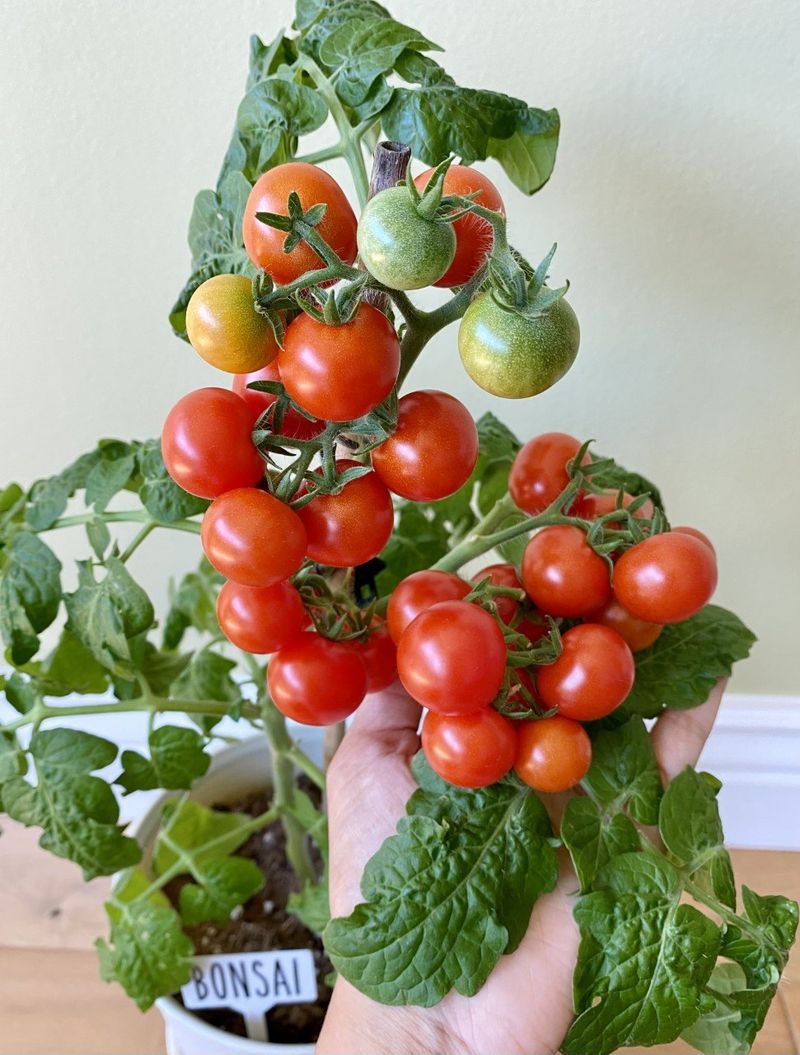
(234, 773)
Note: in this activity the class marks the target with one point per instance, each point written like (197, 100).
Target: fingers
(390, 711)
(679, 736)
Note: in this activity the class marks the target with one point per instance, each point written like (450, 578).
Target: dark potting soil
(263, 924)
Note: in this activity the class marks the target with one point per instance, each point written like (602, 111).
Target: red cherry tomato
(316, 681)
(252, 538)
(502, 575)
(553, 754)
(696, 533)
(379, 653)
(351, 527)
(270, 193)
(339, 373)
(562, 573)
(474, 237)
(636, 633)
(469, 750)
(593, 506)
(416, 593)
(452, 658)
(294, 424)
(207, 446)
(539, 471)
(260, 619)
(433, 450)
(591, 677)
(666, 578)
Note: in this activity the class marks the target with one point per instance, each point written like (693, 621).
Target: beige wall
(675, 204)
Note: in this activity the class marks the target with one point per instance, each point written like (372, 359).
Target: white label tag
(251, 982)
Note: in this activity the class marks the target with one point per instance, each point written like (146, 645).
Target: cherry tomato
(502, 575)
(666, 578)
(316, 681)
(591, 677)
(351, 527)
(252, 538)
(696, 533)
(474, 237)
(418, 592)
(225, 329)
(294, 424)
(539, 472)
(469, 750)
(270, 193)
(207, 446)
(594, 505)
(340, 372)
(452, 658)
(553, 754)
(379, 653)
(562, 573)
(400, 247)
(433, 450)
(636, 633)
(260, 619)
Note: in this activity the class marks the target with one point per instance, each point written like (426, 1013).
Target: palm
(369, 784)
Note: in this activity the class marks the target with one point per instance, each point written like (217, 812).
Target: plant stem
(148, 704)
(132, 516)
(137, 540)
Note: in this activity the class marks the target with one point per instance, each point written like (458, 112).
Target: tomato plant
(317, 681)
(552, 754)
(418, 592)
(539, 471)
(469, 750)
(260, 619)
(224, 328)
(562, 574)
(294, 425)
(206, 443)
(592, 676)
(636, 633)
(666, 578)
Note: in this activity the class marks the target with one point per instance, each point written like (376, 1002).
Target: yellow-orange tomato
(225, 329)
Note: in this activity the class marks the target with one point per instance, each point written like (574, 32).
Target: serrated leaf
(20, 692)
(446, 896)
(99, 536)
(177, 759)
(207, 677)
(528, 155)
(30, 594)
(624, 772)
(69, 668)
(160, 495)
(109, 475)
(227, 882)
(594, 837)
(681, 668)
(13, 762)
(274, 111)
(47, 500)
(713, 1032)
(192, 603)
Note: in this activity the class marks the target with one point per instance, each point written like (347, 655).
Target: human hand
(369, 783)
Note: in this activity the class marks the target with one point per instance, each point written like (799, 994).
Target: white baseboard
(754, 750)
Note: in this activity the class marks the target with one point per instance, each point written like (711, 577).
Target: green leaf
(593, 838)
(176, 760)
(624, 771)
(226, 883)
(644, 959)
(160, 495)
(311, 906)
(265, 59)
(77, 812)
(761, 944)
(193, 604)
(615, 477)
(47, 501)
(149, 954)
(110, 474)
(159, 669)
(30, 594)
(19, 692)
(99, 536)
(681, 668)
(273, 112)
(528, 155)
(207, 677)
(691, 828)
(447, 895)
(69, 668)
(713, 1031)
(13, 762)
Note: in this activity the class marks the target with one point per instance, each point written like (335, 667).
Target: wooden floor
(52, 1001)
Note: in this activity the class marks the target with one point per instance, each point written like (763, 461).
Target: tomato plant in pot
(337, 513)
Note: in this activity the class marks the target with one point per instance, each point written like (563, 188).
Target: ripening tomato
(207, 446)
(433, 450)
(539, 471)
(562, 573)
(591, 677)
(351, 527)
(294, 424)
(636, 633)
(400, 247)
(225, 329)
(452, 658)
(469, 750)
(316, 681)
(594, 505)
(474, 236)
(418, 592)
(666, 578)
(270, 193)
(340, 372)
(260, 619)
(696, 533)
(553, 754)
(379, 653)
(502, 575)
(252, 538)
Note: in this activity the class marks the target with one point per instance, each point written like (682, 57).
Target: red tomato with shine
(294, 424)
(418, 592)
(592, 676)
(553, 754)
(696, 533)
(270, 193)
(207, 446)
(339, 373)
(539, 471)
(252, 538)
(452, 658)
(562, 574)
(316, 681)
(593, 506)
(260, 619)
(352, 527)
(433, 450)
(379, 653)
(636, 633)
(502, 575)
(666, 578)
(469, 750)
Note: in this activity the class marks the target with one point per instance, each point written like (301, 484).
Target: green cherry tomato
(402, 249)
(515, 356)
